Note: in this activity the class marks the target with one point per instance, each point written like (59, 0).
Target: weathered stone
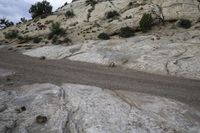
(112, 64)
(3, 107)
(85, 16)
(5, 72)
(42, 58)
(176, 54)
(41, 119)
(76, 108)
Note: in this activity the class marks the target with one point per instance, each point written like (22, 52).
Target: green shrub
(37, 40)
(184, 23)
(43, 16)
(126, 32)
(69, 14)
(4, 23)
(103, 36)
(66, 3)
(111, 14)
(50, 36)
(11, 34)
(90, 2)
(55, 29)
(130, 4)
(27, 38)
(55, 40)
(24, 39)
(67, 40)
(146, 22)
(23, 20)
(20, 38)
(40, 8)
(74, 1)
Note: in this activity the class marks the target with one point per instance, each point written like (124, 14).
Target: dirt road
(33, 70)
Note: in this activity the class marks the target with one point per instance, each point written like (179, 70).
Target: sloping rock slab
(76, 108)
(5, 72)
(53, 52)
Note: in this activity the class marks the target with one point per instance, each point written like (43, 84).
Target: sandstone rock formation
(89, 20)
(76, 108)
(176, 54)
(69, 108)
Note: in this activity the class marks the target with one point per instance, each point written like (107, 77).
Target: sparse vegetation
(103, 36)
(4, 23)
(74, 1)
(66, 3)
(91, 2)
(69, 14)
(184, 23)
(24, 39)
(23, 20)
(55, 29)
(43, 16)
(37, 40)
(130, 4)
(111, 14)
(20, 37)
(55, 40)
(48, 22)
(40, 9)
(12, 34)
(67, 40)
(126, 32)
(146, 22)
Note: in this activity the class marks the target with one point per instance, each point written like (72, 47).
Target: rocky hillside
(169, 44)
(92, 18)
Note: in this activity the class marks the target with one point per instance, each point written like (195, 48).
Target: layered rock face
(176, 9)
(130, 11)
(47, 108)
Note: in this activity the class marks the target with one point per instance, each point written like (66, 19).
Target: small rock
(21, 109)
(158, 38)
(27, 48)
(112, 64)
(141, 8)
(3, 107)
(41, 119)
(9, 84)
(11, 48)
(42, 58)
(18, 110)
(8, 79)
